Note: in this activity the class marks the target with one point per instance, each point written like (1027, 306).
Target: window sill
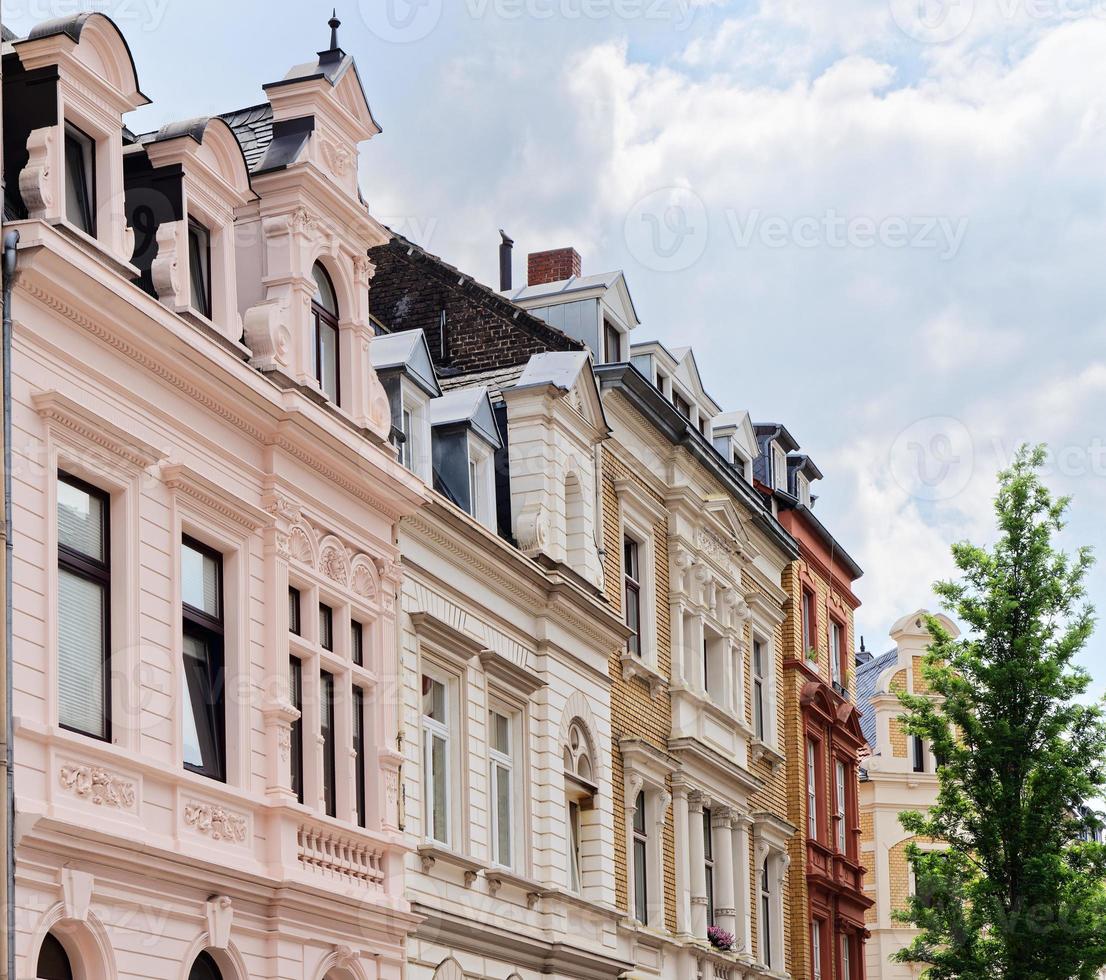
(719, 712)
(761, 751)
(431, 853)
(580, 902)
(497, 877)
(633, 666)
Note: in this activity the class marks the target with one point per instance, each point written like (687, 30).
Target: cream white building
(898, 775)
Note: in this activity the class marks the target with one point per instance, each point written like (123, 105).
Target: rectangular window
(812, 790)
(919, 753)
(295, 693)
(632, 591)
(846, 957)
(406, 453)
(326, 627)
(199, 266)
(641, 847)
(708, 860)
(837, 652)
(326, 731)
(808, 621)
(359, 754)
(84, 601)
(612, 344)
(574, 880)
(758, 689)
(294, 611)
(357, 643)
(840, 773)
(502, 784)
(816, 948)
(779, 468)
(474, 487)
(766, 924)
(203, 708)
(80, 179)
(436, 753)
(683, 406)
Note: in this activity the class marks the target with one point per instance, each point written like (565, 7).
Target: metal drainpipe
(11, 240)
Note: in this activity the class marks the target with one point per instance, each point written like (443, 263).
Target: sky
(881, 222)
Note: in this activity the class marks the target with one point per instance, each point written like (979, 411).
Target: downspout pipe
(11, 242)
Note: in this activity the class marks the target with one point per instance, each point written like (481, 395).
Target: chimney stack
(505, 256)
(554, 265)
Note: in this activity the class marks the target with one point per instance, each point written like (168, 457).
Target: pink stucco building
(206, 504)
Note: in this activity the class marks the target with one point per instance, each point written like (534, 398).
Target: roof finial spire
(334, 24)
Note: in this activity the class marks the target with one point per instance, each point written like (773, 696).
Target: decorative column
(724, 911)
(697, 859)
(743, 895)
(683, 840)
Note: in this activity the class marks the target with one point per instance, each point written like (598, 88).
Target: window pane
(78, 180)
(328, 360)
(327, 733)
(53, 961)
(439, 760)
(324, 291)
(503, 814)
(433, 699)
(294, 611)
(81, 521)
(501, 733)
(82, 615)
(357, 643)
(195, 697)
(295, 693)
(359, 754)
(199, 266)
(641, 887)
(200, 580)
(326, 627)
(574, 847)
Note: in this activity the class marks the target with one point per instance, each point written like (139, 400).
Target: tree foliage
(1006, 886)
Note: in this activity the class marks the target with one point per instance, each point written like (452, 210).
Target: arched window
(53, 960)
(205, 968)
(579, 795)
(324, 315)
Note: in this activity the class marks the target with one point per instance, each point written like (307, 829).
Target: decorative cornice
(211, 495)
(62, 411)
(446, 635)
(508, 672)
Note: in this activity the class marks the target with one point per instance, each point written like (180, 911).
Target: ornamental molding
(63, 412)
(98, 786)
(34, 179)
(216, 822)
(214, 497)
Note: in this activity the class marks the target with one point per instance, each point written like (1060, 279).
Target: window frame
(211, 630)
(328, 741)
(708, 864)
(640, 831)
(611, 332)
(87, 145)
(760, 690)
(765, 917)
(839, 670)
(295, 611)
(632, 585)
(431, 728)
(322, 317)
(918, 760)
(506, 761)
(841, 804)
(809, 612)
(817, 948)
(295, 748)
(85, 567)
(357, 738)
(813, 783)
(203, 237)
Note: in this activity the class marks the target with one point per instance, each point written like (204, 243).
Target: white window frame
(779, 467)
(646, 771)
(760, 689)
(840, 778)
(846, 956)
(431, 728)
(413, 403)
(508, 761)
(812, 789)
(481, 476)
(836, 644)
(816, 928)
(638, 516)
(802, 488)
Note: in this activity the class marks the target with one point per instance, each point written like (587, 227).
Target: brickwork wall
(410, 291)
(634, 714)
(898, 874)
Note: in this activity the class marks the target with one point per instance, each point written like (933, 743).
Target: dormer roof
(801, 463)
(226, 157)
(405, 353)
(569, 371)
(776, 432)
(599, 285)
(113, 54)
(469, 407)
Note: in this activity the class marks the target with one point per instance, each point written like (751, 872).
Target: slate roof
(496, 380)
(254, 128)
(866, 677)
(7, 34)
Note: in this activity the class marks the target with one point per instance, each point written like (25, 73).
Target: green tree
(1006, 887)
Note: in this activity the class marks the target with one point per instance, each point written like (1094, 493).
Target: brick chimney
(553, 265)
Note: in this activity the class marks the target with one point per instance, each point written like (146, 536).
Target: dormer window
(802, 489)
(682, 405)
(80, 179)
(779, 468)
(199, 267)
(324, 313)
(465, 438)
(612, 343)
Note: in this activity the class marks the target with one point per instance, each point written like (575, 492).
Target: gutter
(11, 240)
